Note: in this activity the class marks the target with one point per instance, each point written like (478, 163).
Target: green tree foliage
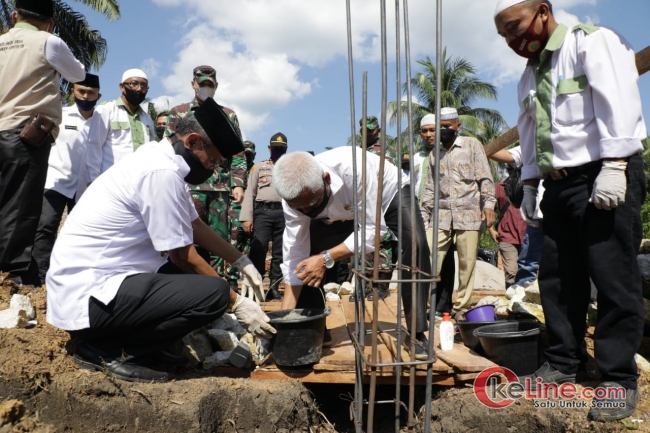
(87, 45)
(460, 89)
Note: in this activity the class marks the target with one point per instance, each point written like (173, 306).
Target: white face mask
(204, 93)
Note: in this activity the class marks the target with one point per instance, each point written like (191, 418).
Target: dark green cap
(204, 72)
(371, 122)
(249, 146)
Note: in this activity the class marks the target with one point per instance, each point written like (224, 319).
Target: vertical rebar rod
(398, 81)
(361, 298)
(407, 52)
(436, 206)
(378, 217)
(358, 391)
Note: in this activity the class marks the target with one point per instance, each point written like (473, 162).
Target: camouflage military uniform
(212, 197)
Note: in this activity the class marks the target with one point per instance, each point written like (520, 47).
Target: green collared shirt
(137, 128)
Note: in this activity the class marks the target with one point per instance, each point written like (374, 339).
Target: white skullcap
(505, 4)
(446, 113)
(429, 119)
(134, 73)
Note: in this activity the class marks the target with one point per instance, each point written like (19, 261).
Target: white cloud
(150, 67)
(260, 46)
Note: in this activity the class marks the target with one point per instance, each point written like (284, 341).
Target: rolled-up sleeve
(296, 243)
(610, 66)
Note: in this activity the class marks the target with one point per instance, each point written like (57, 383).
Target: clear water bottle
(446, 333)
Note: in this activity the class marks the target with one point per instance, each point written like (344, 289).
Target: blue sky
(282, 64)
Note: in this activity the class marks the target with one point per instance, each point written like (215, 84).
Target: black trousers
(54, 204)
(445, 288)
(23, 170)
(268, 225)
(324, 237)
(581, 241)
(152, 311)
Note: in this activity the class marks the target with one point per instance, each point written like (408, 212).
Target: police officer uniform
(263, 206)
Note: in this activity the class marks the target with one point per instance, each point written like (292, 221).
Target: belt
(272, 205)
(564, 173)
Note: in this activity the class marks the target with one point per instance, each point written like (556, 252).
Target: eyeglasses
(212, 161)
(136, 85)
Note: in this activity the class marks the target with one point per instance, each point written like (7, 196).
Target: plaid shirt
(466, 186)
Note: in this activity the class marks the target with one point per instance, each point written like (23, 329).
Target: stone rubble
(20, 313)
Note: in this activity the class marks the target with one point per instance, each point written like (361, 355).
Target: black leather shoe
(613, 407)
(383, 293)
(327, 338)
(165, 357)
(421, 347)
(124, 368)
(274, 293)
(548, 374)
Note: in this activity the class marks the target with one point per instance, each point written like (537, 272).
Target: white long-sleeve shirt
(68, 154)
(595, 104)
(338, 163)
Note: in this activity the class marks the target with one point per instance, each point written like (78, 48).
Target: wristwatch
(329, 261)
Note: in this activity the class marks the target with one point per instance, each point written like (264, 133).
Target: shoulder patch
(587, 28)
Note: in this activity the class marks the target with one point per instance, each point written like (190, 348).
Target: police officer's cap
(91, 80)
(249, 146)
(219, 128)
(278, 139)
(44, 8)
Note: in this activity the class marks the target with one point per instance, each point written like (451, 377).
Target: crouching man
(110, 283)
(318, 205)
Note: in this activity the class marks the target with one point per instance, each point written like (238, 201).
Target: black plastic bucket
(466, 330)
(514, 345)
(299, 340)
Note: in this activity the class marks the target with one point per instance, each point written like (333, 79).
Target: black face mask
(371, 139)
(448, 135)
(277, 152)
(160, 132)
(85, 105)
(326, 198)
(134, 97)
(198, 173)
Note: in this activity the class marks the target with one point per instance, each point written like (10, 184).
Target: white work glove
(252, 318)
(528, 205)
(248, 291)
(254, 278)
(610, 186)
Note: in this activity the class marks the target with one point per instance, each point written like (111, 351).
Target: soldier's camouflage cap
(278, 139)
(371, 122)
(249, 146)
(204, 72)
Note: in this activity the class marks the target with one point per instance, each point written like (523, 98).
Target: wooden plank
(461, 358)
(342, 351)
(343, 377)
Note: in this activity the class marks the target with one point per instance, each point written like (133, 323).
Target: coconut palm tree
(86, 44)
(460, 89)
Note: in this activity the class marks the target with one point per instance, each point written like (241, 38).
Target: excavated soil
(37, 374)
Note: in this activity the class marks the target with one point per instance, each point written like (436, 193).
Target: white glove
(248, 291)
(252, 318)
(247, 268)
(528, 205)
(610, 186)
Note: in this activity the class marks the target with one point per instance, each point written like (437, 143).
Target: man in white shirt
(32, 62)
(109, 282)
(319, 205)
(67, 157)
(124, 125)
(581, 127)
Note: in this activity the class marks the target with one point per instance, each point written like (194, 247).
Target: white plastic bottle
(446, 333)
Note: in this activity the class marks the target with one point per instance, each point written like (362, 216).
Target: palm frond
(109, 8)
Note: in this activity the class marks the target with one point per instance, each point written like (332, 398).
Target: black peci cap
(44, 8)
(91, 80)
(218, 127)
